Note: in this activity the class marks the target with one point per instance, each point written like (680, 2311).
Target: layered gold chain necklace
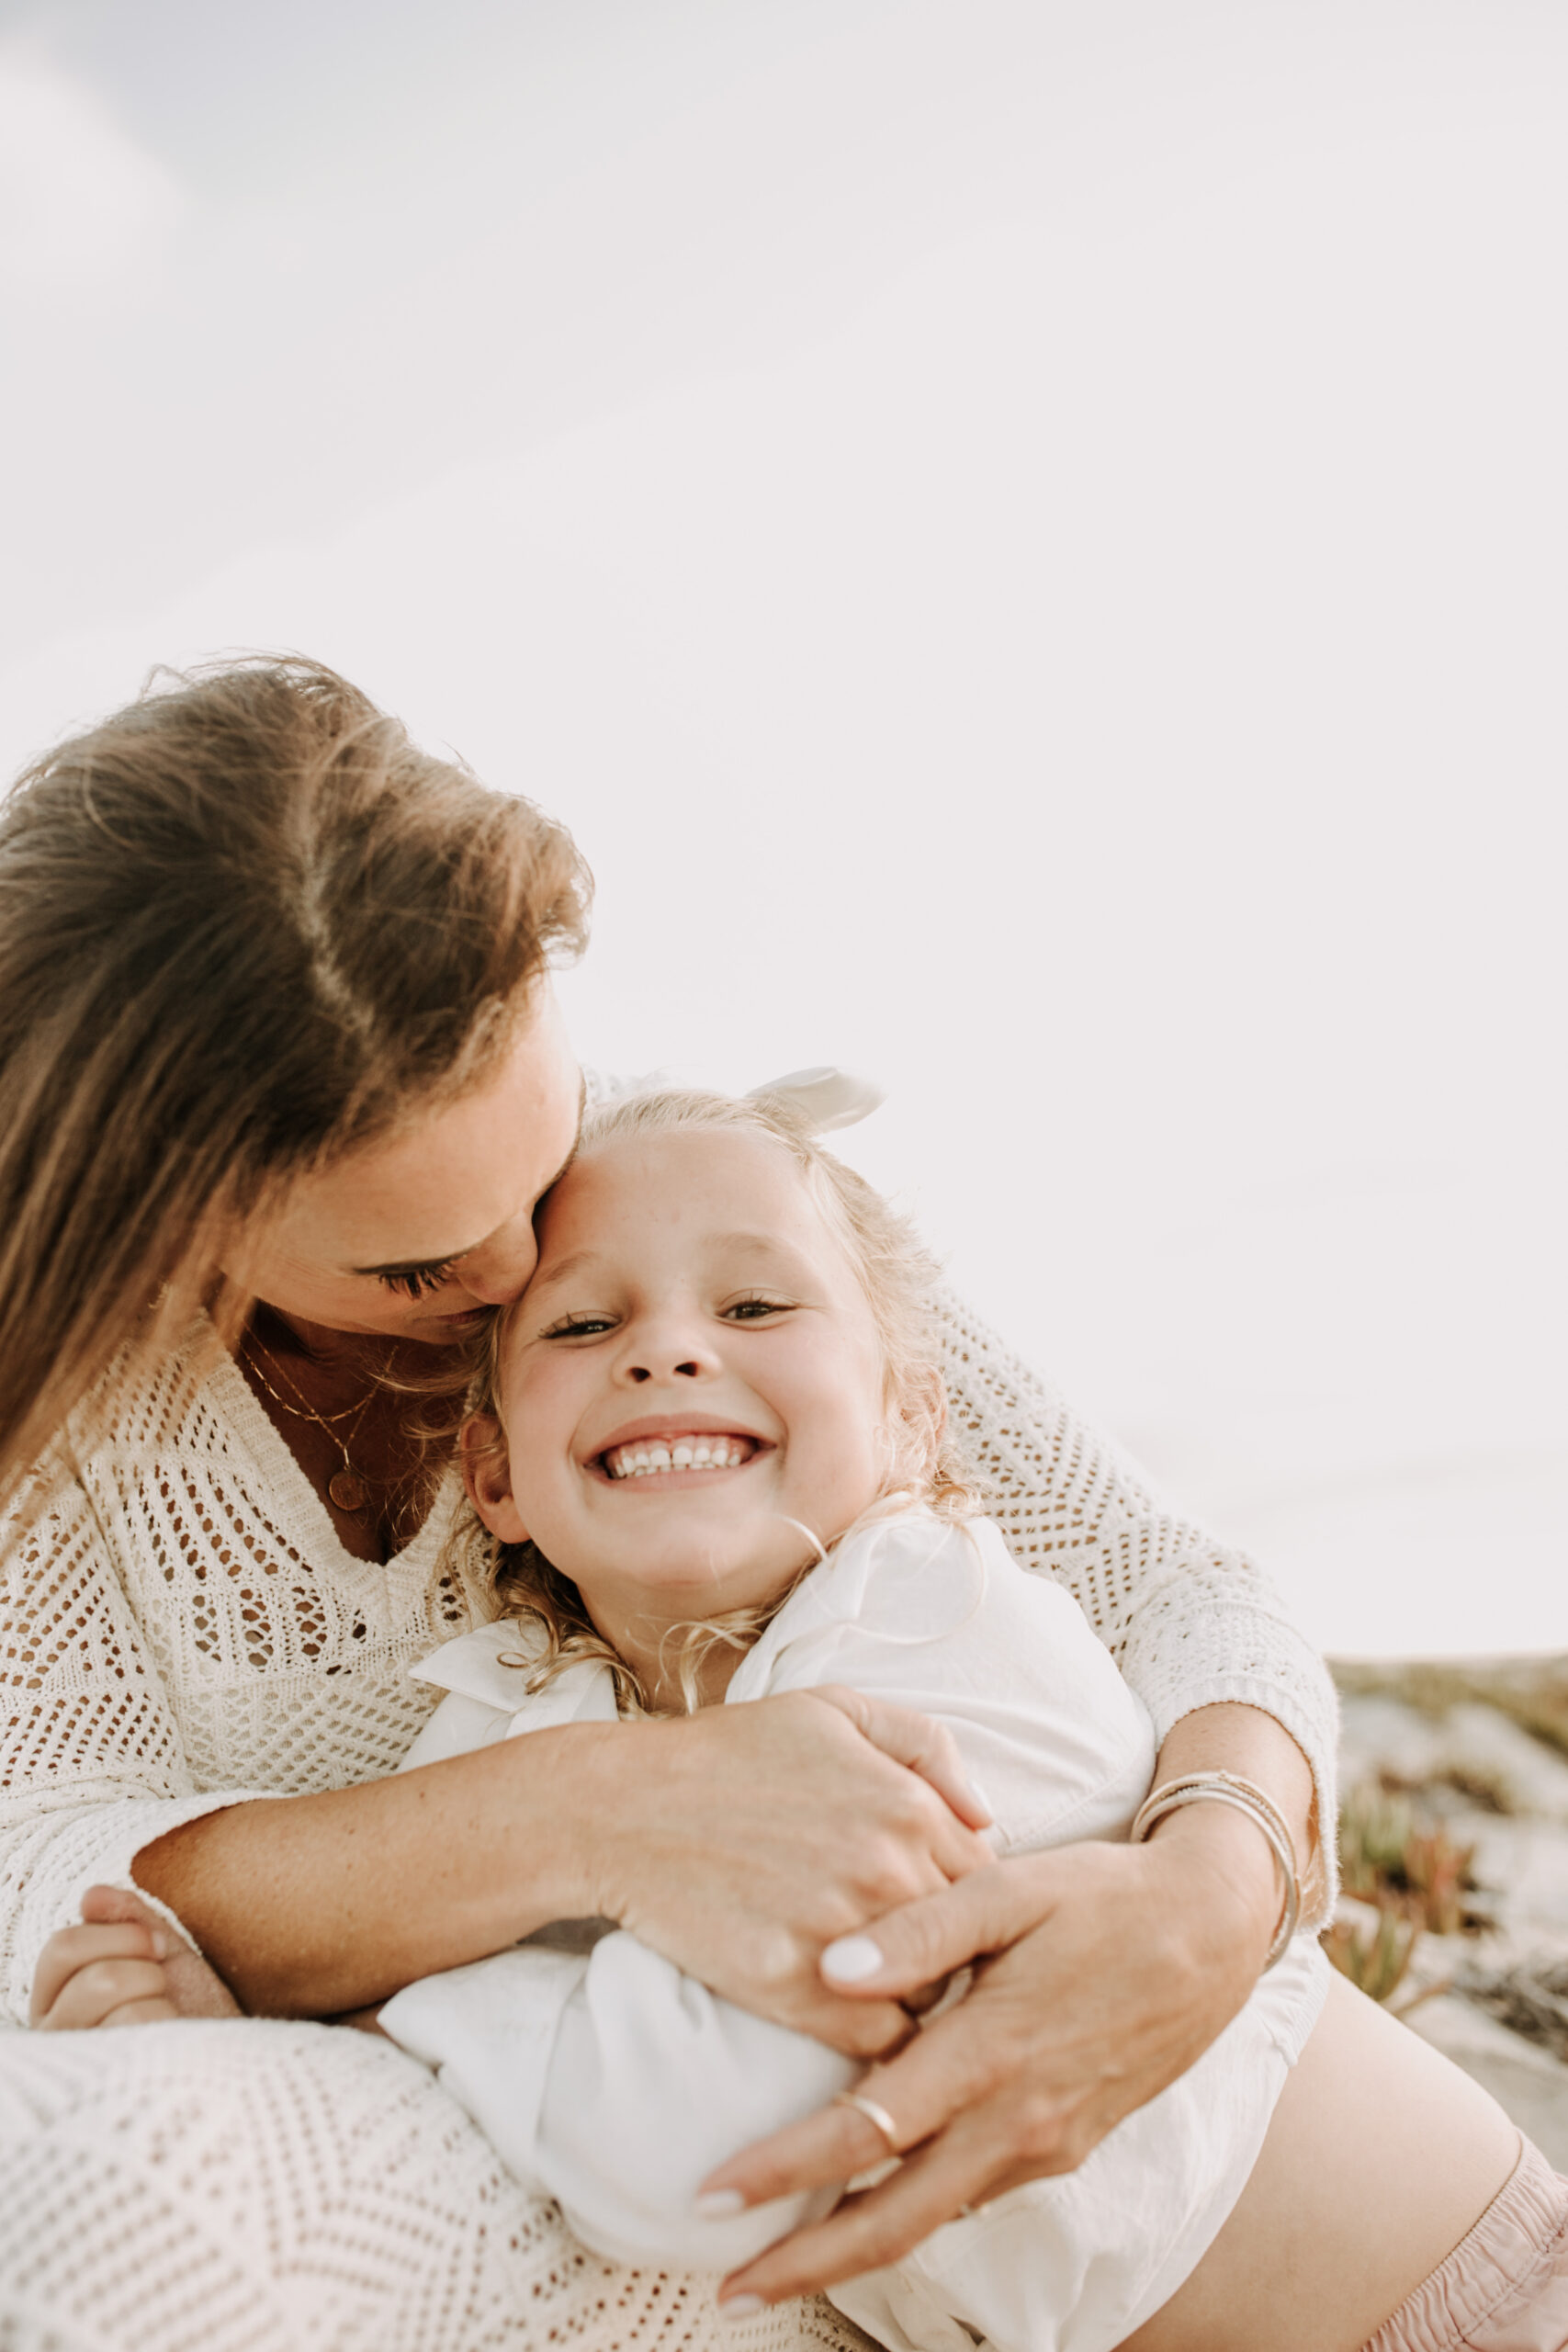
(347, 1488)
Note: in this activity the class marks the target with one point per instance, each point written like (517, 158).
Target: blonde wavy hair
(898, 1275)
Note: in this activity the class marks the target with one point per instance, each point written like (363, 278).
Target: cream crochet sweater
(181, 1627)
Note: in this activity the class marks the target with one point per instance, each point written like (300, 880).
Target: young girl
(712, 1466)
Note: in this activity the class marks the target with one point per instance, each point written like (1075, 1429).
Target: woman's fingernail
(851, 1960)
(719, 2204)
(742, 2306)
(162, 1943)
(978, 1791)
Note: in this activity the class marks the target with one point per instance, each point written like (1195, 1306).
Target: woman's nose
(498, 1271)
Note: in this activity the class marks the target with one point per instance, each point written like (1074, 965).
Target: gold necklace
(302, 1411)
(347, 1487)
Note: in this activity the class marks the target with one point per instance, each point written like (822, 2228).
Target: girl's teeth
(650, 1456)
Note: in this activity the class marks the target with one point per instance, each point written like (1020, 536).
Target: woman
(283, 1082)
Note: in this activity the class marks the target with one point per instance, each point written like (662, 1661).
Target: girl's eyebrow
(756, 1245)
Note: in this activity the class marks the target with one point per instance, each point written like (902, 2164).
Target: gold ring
(877, 2117)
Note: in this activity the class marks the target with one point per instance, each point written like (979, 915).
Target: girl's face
(421, 1231)
(692, 1367)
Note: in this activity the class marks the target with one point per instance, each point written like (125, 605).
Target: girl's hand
(1116, 1966)
(739, 1841)
(122, 1966)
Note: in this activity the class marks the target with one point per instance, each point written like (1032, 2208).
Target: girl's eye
(419, 1281)
(579, 1326)
(752, 1310)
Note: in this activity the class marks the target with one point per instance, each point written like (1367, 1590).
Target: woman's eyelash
(419, 1281)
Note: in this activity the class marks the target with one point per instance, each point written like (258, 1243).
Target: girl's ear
(486, 1474)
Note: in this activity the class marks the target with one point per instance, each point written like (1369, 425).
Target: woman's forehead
(438, 1185)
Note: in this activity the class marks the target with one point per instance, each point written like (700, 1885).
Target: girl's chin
(748, 1577)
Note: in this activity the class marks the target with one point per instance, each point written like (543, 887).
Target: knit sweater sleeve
(1192, 1622)
(92, 1764)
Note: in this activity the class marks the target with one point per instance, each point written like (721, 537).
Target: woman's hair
(246, 925)
(898, 1276)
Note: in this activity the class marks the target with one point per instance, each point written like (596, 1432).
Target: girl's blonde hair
(246, 925)
(898, 1276)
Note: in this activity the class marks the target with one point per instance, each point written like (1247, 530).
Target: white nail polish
(851, 1960)
(741, 2306)
(719, 2204)
(978, 1791)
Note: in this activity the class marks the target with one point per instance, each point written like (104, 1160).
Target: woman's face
(420, 1232)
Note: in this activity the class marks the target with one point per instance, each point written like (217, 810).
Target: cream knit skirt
(259, 2186)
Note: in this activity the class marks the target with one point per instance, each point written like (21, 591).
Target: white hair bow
(826, 1097)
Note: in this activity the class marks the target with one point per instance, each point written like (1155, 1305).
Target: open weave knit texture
(298, 2189)
(182, 1627)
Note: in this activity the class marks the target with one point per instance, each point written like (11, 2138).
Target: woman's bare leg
(1381, 2155)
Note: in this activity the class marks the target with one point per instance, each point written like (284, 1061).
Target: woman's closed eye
(418, 1281)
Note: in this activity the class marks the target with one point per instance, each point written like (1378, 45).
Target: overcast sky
(1028, 542)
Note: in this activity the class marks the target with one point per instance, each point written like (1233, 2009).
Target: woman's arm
(737, 1844)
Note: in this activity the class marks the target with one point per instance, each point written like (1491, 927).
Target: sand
(1479, 1749)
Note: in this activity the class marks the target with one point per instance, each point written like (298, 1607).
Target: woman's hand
(740, 1841)
(1115, 1967)
(122, 1966)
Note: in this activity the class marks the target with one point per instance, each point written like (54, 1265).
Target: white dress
(617, 2085)
(179, 1626)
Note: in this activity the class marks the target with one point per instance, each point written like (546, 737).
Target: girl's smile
(672, 1451)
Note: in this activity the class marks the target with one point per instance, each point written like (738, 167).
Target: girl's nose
(670, 1351)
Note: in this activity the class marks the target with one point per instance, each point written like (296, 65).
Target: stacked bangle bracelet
(1245, 1796)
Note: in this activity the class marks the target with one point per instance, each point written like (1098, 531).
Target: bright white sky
(1026, 536)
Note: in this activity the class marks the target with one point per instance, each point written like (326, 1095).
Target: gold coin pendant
(348, 1491)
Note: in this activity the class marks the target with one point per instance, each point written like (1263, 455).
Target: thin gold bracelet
(1246, 1797)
